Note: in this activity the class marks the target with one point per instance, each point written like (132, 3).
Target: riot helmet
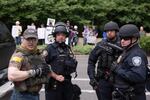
(129, 31)
(111, 26)
(60, 27)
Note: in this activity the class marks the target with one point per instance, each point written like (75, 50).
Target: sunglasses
(125, 38)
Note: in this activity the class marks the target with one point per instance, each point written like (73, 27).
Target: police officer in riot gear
(101, 80)
(61, 58)
(130, 68)
(28, 69)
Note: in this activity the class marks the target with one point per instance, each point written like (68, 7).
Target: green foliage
(145, 43)
(79, 12)
(83, 50)
(41, 47)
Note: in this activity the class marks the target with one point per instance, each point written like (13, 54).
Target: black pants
(63, 91)
(104, 91)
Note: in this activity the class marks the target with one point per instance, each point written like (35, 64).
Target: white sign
(41, 33)
(50, 20)
(16, 31)
(67, 41)
(31, 27)
(48, 35)
(91, 39)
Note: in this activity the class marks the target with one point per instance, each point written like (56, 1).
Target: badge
(136, 61)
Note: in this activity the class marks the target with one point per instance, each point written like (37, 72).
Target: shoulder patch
(16, 59)
(136, 61)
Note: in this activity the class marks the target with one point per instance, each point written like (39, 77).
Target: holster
(53, 84)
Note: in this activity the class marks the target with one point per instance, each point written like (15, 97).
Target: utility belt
(53, 84)
(123, 94)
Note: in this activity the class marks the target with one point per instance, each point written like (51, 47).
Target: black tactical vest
(62, 59)
(107, 55)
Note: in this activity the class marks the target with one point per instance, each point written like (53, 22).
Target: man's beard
(112, 38)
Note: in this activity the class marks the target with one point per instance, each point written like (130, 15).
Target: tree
(79, 12)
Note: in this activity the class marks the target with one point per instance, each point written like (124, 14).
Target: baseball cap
(30, 33)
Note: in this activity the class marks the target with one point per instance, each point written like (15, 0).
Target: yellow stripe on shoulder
(16, 59)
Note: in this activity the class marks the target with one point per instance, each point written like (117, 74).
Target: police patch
(136, 61)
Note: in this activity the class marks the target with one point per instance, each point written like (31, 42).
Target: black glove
(94, 84)
(40, 70)
(114, 66)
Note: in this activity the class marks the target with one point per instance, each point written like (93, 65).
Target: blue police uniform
(58, 90)
(130, 75)
(99, 54)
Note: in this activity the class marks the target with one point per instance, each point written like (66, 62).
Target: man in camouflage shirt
(27, 68)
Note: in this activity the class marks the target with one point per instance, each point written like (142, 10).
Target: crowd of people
(89, 33)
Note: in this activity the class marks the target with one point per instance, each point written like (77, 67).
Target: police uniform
(59, 57)
(104, 59)
(25, 60)
(130, 73)
(105, 55)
